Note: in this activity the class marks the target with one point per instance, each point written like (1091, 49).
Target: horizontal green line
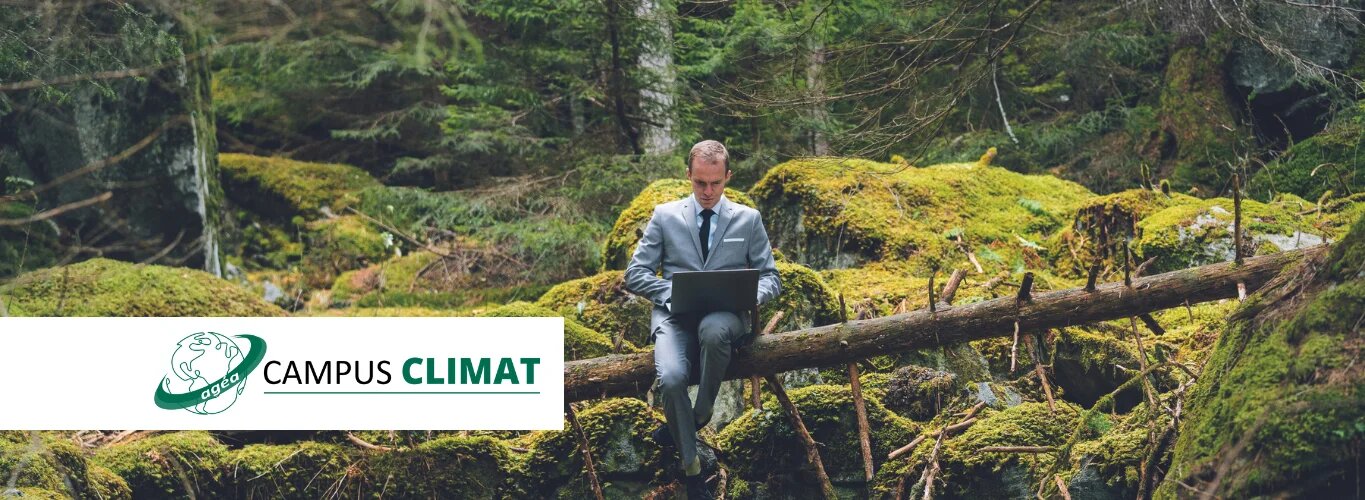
(394, 392)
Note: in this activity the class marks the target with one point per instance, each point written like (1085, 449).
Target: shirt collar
(696, 206)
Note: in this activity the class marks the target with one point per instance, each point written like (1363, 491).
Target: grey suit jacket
(671, 244)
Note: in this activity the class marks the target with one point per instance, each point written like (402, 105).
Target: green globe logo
(208, 372)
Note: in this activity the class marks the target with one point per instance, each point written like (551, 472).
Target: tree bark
(839, 344)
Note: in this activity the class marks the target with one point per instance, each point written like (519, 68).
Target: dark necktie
(705, 232)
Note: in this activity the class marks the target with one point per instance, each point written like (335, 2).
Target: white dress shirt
(715, 218)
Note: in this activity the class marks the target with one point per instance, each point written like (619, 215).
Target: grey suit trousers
(679, 339)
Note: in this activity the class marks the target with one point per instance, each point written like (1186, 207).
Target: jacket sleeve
(641, 275)
(761, 258)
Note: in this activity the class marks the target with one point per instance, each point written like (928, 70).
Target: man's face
(708, 181)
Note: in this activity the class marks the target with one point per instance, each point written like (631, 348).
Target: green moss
(447, 467)
(105, 484)
(843, 212)
(170, 465)
(580, 342)
(285, 188)
(302, 470)
(630, 225)
(627, 461)
(342, 244)
(102, 287)
(1280, 403)
(879, 287)
(762, 447)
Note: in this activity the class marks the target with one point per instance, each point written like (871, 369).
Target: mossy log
(844, 342)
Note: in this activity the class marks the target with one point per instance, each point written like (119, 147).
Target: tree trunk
(841, 343)
(815, 84)
(657, 95)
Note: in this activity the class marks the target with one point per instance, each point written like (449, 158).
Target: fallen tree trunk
(840, 343)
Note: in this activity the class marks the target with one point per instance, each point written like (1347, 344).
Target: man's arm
(761, 258)
(640, 274)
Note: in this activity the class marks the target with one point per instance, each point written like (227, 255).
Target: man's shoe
(696, 488)
(662, 436)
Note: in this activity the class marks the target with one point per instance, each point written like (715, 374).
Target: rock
(421, 279)
(837, 213)
(280, 188)
(102, 287)
(1278, 406)
(149, 141)
(628, 463)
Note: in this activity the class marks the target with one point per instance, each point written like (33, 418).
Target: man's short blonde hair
(709, 150)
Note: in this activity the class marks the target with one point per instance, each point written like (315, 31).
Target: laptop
(734, 290)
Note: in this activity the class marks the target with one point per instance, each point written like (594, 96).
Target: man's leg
(672, 341)
(716, 332)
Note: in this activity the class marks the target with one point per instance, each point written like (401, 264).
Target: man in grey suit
(702, 232)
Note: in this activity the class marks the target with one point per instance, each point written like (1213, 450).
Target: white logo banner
(282, 373)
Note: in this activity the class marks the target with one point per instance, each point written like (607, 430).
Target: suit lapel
(726, 213)
(690, 218)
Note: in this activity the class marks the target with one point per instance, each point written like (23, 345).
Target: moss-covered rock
(447, 467)
(762, 448)
(1100, 226)
(55, 464)
(579, 341)
(302, 470)
(1329, 161)
(627, 461)
(285, 188)
(1201, 232)
(341, 244)
(844, 212)
(630, 225)
(1279, 407)
(102, 287)
(601, 302)
(1198, 120)
(179, 464)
